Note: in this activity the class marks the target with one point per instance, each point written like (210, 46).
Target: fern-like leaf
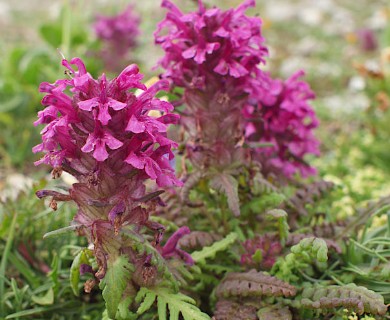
(356, 298)
(316, 247)
(192, 180)
(228, 185)
(276, 312)
(198, 240)
(281, 217)
(175, 303)
(229, 310)
(148, 298)
(294, 239)
(308, 195)
(303, 255)
(114, 283)
(210, 252)
(253, 283)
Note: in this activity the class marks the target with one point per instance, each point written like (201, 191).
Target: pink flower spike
(104, 118)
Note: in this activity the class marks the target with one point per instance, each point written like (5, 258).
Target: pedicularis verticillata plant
(215, 56)
(233, 109)
(101, 132)
(238, 126)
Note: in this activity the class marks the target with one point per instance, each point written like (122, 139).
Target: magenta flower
(284, 118)
(171, 249)
(214, 55)
(101, 132)
(367, 39)
(118, 34)
(201, 48)
(97, 123)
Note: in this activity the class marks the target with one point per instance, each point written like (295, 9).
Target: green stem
(4, 260)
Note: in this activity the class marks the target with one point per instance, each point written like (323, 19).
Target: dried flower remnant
(100, 131)
(119, 36)
(284, 118)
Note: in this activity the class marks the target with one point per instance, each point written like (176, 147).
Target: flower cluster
(210, 45)
(102, 132)
(102, 122)
(284, 118)
(118, 34)
(214, 55)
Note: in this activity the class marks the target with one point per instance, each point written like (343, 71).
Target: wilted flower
(101, 132)
(119, 36)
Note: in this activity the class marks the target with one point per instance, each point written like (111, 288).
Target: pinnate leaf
(253, 283)
(227, 184)
(356, 298)
(114, 283)
(210, 252)
(176, 303)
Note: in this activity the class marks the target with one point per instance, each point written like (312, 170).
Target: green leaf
(281, 217)
(312, 247)
(123, 312)
(82, 257)
(60, 232)
(229, 186)
(162, 309)
(257, 257)
(40, 310)
(209, 252)
(177, 303)
(114, 283)
(149, 299)
(45, 300)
